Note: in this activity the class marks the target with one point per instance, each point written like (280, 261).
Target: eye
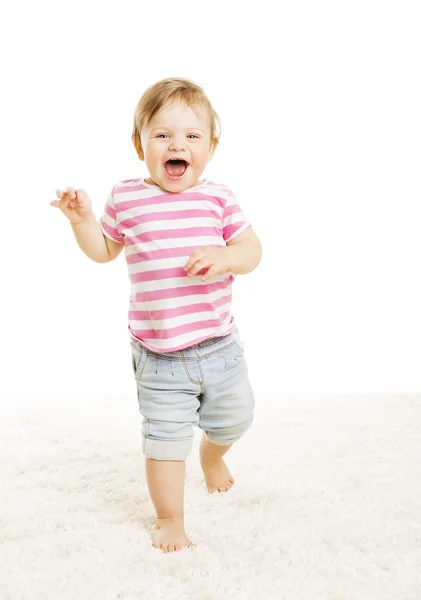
(161, 134)
(193, 135)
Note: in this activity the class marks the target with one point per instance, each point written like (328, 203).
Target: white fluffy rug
(326, 504)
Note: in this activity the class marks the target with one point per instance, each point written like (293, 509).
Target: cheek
(153, 153)
(201, 154)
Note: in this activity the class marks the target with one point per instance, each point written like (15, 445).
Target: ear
(212, 149)
(138, 145)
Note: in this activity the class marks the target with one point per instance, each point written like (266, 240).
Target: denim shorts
(205, 385)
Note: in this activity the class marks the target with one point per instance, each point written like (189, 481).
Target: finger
(194, 256)
(63, 203)
(63, 194)
(80, 196)
(200, 264)
(71, 192)
(190, 263)
(212, 271)
(63, 199)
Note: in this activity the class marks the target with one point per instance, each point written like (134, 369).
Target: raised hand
(75, 204)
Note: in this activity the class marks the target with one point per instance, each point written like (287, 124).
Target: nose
(177, 143)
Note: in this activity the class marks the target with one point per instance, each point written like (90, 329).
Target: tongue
(175, 169)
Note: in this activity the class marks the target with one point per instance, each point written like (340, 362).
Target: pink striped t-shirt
(167, 309)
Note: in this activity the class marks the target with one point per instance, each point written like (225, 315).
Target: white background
(321, 129)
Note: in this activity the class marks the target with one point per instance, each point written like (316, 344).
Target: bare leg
(217, 476)
(166, 486)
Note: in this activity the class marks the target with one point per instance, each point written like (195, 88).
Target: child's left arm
(244, 252)
(241, 255)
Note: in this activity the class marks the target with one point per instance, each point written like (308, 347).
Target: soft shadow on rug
(326, 504)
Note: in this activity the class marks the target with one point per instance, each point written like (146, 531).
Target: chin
(177, 185)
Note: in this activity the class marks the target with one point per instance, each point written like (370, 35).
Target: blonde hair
(162, 93)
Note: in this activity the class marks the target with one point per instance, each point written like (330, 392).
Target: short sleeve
(108, 220)
(234, 220)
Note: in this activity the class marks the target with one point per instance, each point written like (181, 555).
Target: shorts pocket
(139, 357)
(239, 344)
(234, 357)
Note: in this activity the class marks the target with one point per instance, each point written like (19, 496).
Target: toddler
(184, 239)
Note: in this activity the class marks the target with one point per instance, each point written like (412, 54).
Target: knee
(225, 436)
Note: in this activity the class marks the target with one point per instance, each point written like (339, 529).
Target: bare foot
(217, 476)
(170, 535)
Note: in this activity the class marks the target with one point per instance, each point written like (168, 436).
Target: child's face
(177, 132)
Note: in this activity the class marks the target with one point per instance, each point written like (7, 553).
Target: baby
(185, 239)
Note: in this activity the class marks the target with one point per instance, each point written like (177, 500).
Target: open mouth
(176, 167)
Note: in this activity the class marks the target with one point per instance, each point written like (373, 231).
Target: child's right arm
(77, 207)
